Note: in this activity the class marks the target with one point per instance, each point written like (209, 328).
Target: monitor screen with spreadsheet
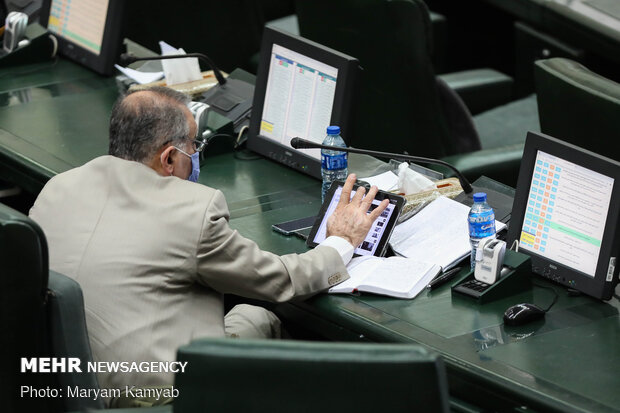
(565, 214)
(88, 31)
(301, 88)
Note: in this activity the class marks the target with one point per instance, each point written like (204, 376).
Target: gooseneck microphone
(231, 98)
(126, 59)
(299, 143)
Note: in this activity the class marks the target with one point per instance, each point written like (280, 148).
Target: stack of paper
(438, 234)
(175, 71)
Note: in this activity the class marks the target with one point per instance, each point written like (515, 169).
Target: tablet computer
(377, 238)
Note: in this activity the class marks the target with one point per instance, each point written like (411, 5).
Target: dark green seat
(24, 273)
(69, 338)
(42, 315)
(578, 106)
(401, 105)
(229, 375)
(438, 23)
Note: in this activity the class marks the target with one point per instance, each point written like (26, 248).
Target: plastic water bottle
(481, 220)
(333, 162)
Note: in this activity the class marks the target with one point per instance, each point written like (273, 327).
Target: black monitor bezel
(602, 284)
(103, 63)
(343, 97)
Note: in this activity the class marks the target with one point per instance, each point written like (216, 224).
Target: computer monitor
(302, 87)
(565, 215)
(88, 31)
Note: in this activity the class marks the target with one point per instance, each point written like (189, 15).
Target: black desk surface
(54, 118)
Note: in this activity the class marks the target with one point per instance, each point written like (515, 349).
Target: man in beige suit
(153, 252)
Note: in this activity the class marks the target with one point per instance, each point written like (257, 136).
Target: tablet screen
(380, 231)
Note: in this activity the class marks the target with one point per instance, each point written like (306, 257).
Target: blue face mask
(195, 167)
(195, 157)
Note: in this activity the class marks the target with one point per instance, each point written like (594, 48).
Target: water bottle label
(334, 162)
(482, 225)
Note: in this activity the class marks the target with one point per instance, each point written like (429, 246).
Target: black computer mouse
(523, 313)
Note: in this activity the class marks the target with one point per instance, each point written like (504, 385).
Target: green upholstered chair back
(398, 106)
(69, 338)
(23, 273)
(42, 316)
(296, 376)
(578, 106)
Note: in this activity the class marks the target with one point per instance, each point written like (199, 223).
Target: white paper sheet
(140, 77)
(386, 181)
(179, 70)
(438, 234)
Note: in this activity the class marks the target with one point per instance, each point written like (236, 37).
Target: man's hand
(350, 219)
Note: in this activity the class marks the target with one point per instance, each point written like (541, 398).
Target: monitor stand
(499, 196)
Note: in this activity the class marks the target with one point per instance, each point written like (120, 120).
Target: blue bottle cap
(480, 197)
(333, 130)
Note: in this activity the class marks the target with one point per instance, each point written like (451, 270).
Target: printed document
(439, 234)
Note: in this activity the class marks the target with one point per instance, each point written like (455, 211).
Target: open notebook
(394, 276)
(435, 239)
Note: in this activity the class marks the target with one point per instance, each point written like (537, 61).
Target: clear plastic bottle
(481, 220)
(333, 163)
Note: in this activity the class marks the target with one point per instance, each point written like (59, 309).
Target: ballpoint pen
(443, 278)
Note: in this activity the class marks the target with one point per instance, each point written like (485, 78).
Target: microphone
(126, 59)
(299, 143)
(231, 98)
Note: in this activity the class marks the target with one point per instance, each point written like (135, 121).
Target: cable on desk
(245, 155)
(237, 151)
(203, 154)
(555, 294)
(218, 135)
(238, 142)
(36, 69)
(515, 245)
